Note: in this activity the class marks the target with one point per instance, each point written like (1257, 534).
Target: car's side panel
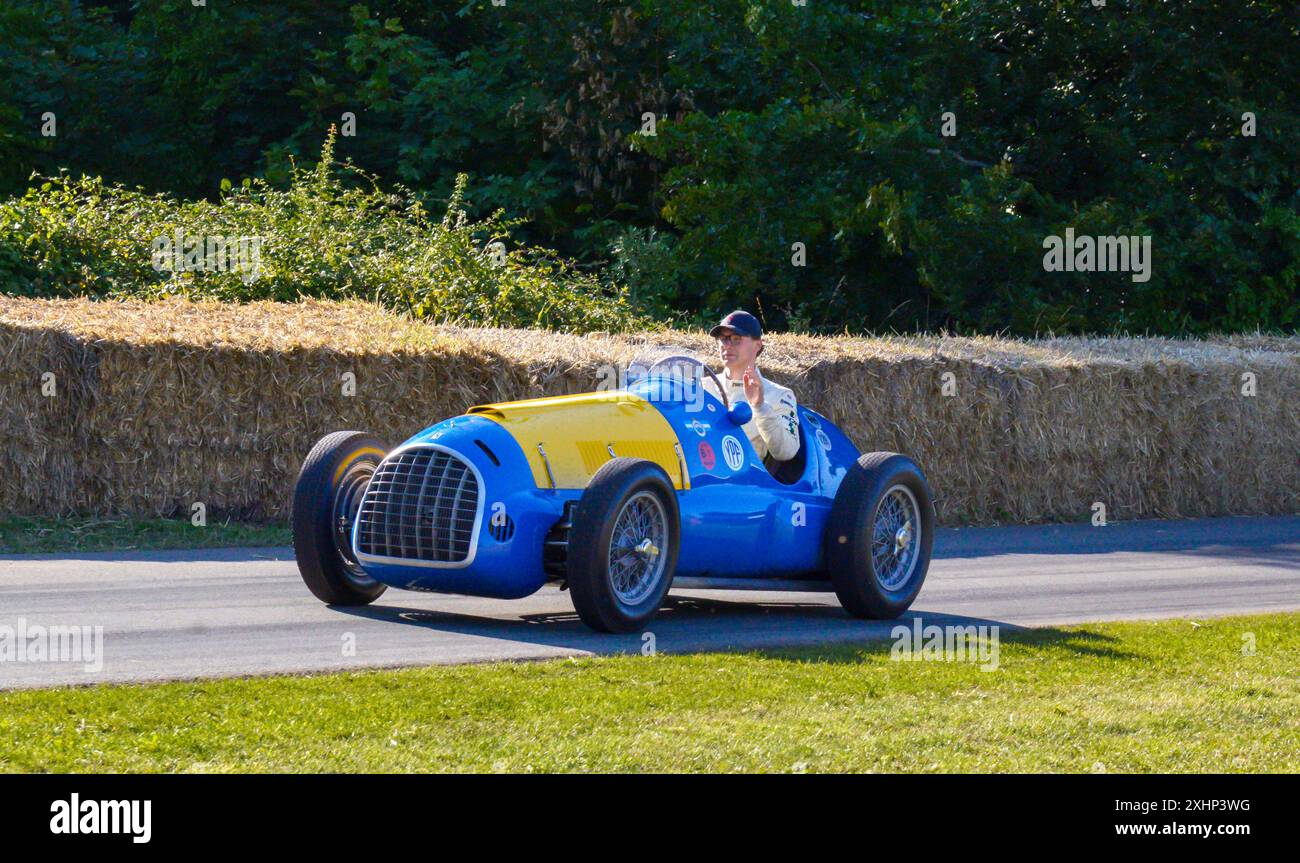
(737, 519)
(747, 533)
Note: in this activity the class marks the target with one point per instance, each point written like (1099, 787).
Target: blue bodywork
(735, 523)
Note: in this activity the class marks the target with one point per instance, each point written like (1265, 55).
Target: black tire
(620, 483)
(333, 476)
(864, 588)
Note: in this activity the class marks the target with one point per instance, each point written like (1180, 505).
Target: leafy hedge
(776, 124)
(319, 237)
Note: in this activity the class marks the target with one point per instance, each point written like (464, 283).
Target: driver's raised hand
(753, 387)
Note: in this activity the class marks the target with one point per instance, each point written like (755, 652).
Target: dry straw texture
(161, 405)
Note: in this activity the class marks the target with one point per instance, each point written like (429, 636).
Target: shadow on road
(697, 624)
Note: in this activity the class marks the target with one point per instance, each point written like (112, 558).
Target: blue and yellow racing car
(618, 495)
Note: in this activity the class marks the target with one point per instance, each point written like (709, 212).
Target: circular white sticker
(823, 439)
(733, 452)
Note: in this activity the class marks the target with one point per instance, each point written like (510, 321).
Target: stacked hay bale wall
(158, 406)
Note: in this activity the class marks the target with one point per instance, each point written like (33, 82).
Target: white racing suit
(774, 430)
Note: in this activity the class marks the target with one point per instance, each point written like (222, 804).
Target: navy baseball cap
(742, 323)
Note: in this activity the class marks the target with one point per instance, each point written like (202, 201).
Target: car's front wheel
(326, 498)
(880, 536)
(623, 545)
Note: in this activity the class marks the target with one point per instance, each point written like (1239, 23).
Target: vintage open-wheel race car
(617, 495)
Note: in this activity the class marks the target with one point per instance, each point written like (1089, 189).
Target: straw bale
(160, 405)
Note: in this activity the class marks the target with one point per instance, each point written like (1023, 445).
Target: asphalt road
(231, 612)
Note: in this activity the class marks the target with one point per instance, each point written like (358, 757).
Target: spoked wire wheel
(880, 535)
(896, 537)
(623, 545)
(636, 561)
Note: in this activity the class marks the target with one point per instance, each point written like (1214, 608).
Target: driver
(774, 430)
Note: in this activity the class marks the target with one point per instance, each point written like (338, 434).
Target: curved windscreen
(667, 376)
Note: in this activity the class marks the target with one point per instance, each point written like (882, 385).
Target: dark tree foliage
(774, 125)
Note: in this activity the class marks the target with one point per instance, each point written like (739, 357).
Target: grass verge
(30, 535)
(1170, 696)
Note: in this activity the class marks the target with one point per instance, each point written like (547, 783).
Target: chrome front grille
(421, 505)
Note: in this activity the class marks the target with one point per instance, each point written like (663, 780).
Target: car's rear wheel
(326, 498)
(880, 536)
(623, 545)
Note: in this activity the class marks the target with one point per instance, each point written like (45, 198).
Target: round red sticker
(706, 455)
